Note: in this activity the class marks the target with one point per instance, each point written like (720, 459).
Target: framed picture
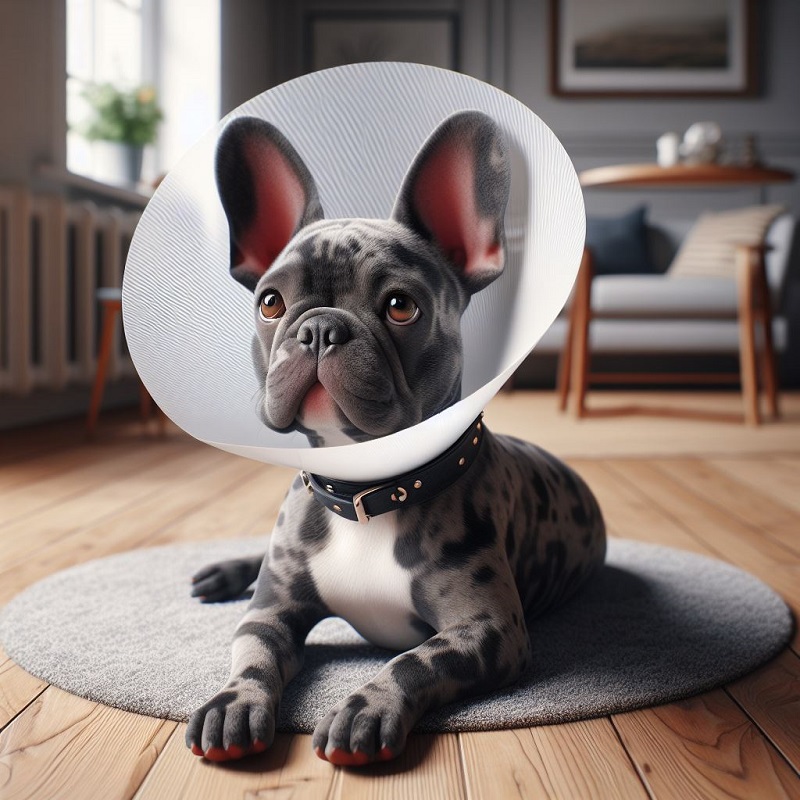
(333, 38)
(652, 48)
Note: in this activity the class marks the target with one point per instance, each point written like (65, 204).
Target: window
(172, 45)
(107, 42)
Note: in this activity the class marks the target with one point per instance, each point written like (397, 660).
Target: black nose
(321, 331)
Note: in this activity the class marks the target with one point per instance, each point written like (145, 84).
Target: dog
(358, 336)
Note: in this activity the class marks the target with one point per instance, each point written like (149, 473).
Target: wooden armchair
(750, 306)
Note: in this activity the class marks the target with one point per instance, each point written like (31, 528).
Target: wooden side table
(683, 176)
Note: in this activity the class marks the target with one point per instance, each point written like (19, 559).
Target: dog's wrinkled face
(358, 321)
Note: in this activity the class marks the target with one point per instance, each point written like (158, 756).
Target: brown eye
(401, 309)
(271, 306)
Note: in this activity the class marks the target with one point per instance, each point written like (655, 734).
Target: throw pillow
(709, 248)
(619, 244)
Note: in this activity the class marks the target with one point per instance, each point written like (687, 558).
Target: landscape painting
(652, 48)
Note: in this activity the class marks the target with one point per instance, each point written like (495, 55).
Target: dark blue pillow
(619, 244)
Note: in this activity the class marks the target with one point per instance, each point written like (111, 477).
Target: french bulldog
(357, 335)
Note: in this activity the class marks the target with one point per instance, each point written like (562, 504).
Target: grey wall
(32, 96)
(506, 42)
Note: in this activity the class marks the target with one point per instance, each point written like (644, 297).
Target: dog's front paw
(234, 723)
(363, 728)
(225, 580)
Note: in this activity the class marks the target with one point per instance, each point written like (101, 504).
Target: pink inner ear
(444, 196)
(280, 203)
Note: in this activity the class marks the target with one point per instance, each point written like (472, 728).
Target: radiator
(54, 255)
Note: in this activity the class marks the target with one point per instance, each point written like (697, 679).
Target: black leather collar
(360, 502)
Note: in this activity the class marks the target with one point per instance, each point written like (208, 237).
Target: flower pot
(117, 162)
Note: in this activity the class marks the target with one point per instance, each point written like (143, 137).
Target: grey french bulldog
(358, 336)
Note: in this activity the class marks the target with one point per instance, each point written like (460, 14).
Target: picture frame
(334, 38)
(618, 49)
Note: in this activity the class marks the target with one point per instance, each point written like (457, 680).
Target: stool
(111, 303)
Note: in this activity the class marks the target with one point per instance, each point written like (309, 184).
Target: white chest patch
(359, 580)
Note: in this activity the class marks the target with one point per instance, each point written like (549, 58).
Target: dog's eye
(271, 306)
(401, 309)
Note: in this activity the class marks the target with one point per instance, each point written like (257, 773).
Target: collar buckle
(358, 503)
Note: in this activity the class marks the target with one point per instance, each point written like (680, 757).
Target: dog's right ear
(267, 192)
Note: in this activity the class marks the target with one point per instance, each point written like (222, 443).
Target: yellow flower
(146, 95)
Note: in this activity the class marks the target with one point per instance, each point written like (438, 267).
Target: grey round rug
(657, 625)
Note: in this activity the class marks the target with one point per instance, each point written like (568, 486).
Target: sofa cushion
(654, 295)
(710, 247)
(619, 244)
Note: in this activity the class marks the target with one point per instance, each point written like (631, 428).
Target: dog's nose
(322, 331)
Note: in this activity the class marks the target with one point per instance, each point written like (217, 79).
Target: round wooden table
(652, 176)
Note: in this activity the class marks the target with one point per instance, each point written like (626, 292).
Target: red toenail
(341, 757)
(234, 751)
(320, 753)
(385, 754)
(216, 754)
(258, 746)
(197, 750)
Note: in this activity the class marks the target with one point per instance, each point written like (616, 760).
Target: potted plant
(127, 119)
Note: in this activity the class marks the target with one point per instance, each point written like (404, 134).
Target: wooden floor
(712, 488)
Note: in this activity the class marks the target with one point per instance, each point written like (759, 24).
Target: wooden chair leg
(110, 311)
(579, 372)
(747, 345)
(565, 361)
(769, 363)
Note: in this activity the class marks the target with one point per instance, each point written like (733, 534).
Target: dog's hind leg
(225, 580)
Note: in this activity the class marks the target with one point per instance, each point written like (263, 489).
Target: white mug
(667, 149)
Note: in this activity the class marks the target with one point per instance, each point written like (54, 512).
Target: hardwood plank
(736, 542)
(28, 471)
(245, 509)
(429, 767)
(771, 698)
(64, 746)
(122, 491)
(533, 415)
(630, 514)
(781, 481)
(739, 497)
(305, 776)
(134, 525)
(36, 440)
(17, 689)
(72, 480)
(180, 774)
(750, 505)
(704, 747)
(580, 759)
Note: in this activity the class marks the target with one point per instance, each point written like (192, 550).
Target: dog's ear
(455, 194)
(267, 192)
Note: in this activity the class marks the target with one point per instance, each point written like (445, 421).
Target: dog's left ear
(455, 194)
